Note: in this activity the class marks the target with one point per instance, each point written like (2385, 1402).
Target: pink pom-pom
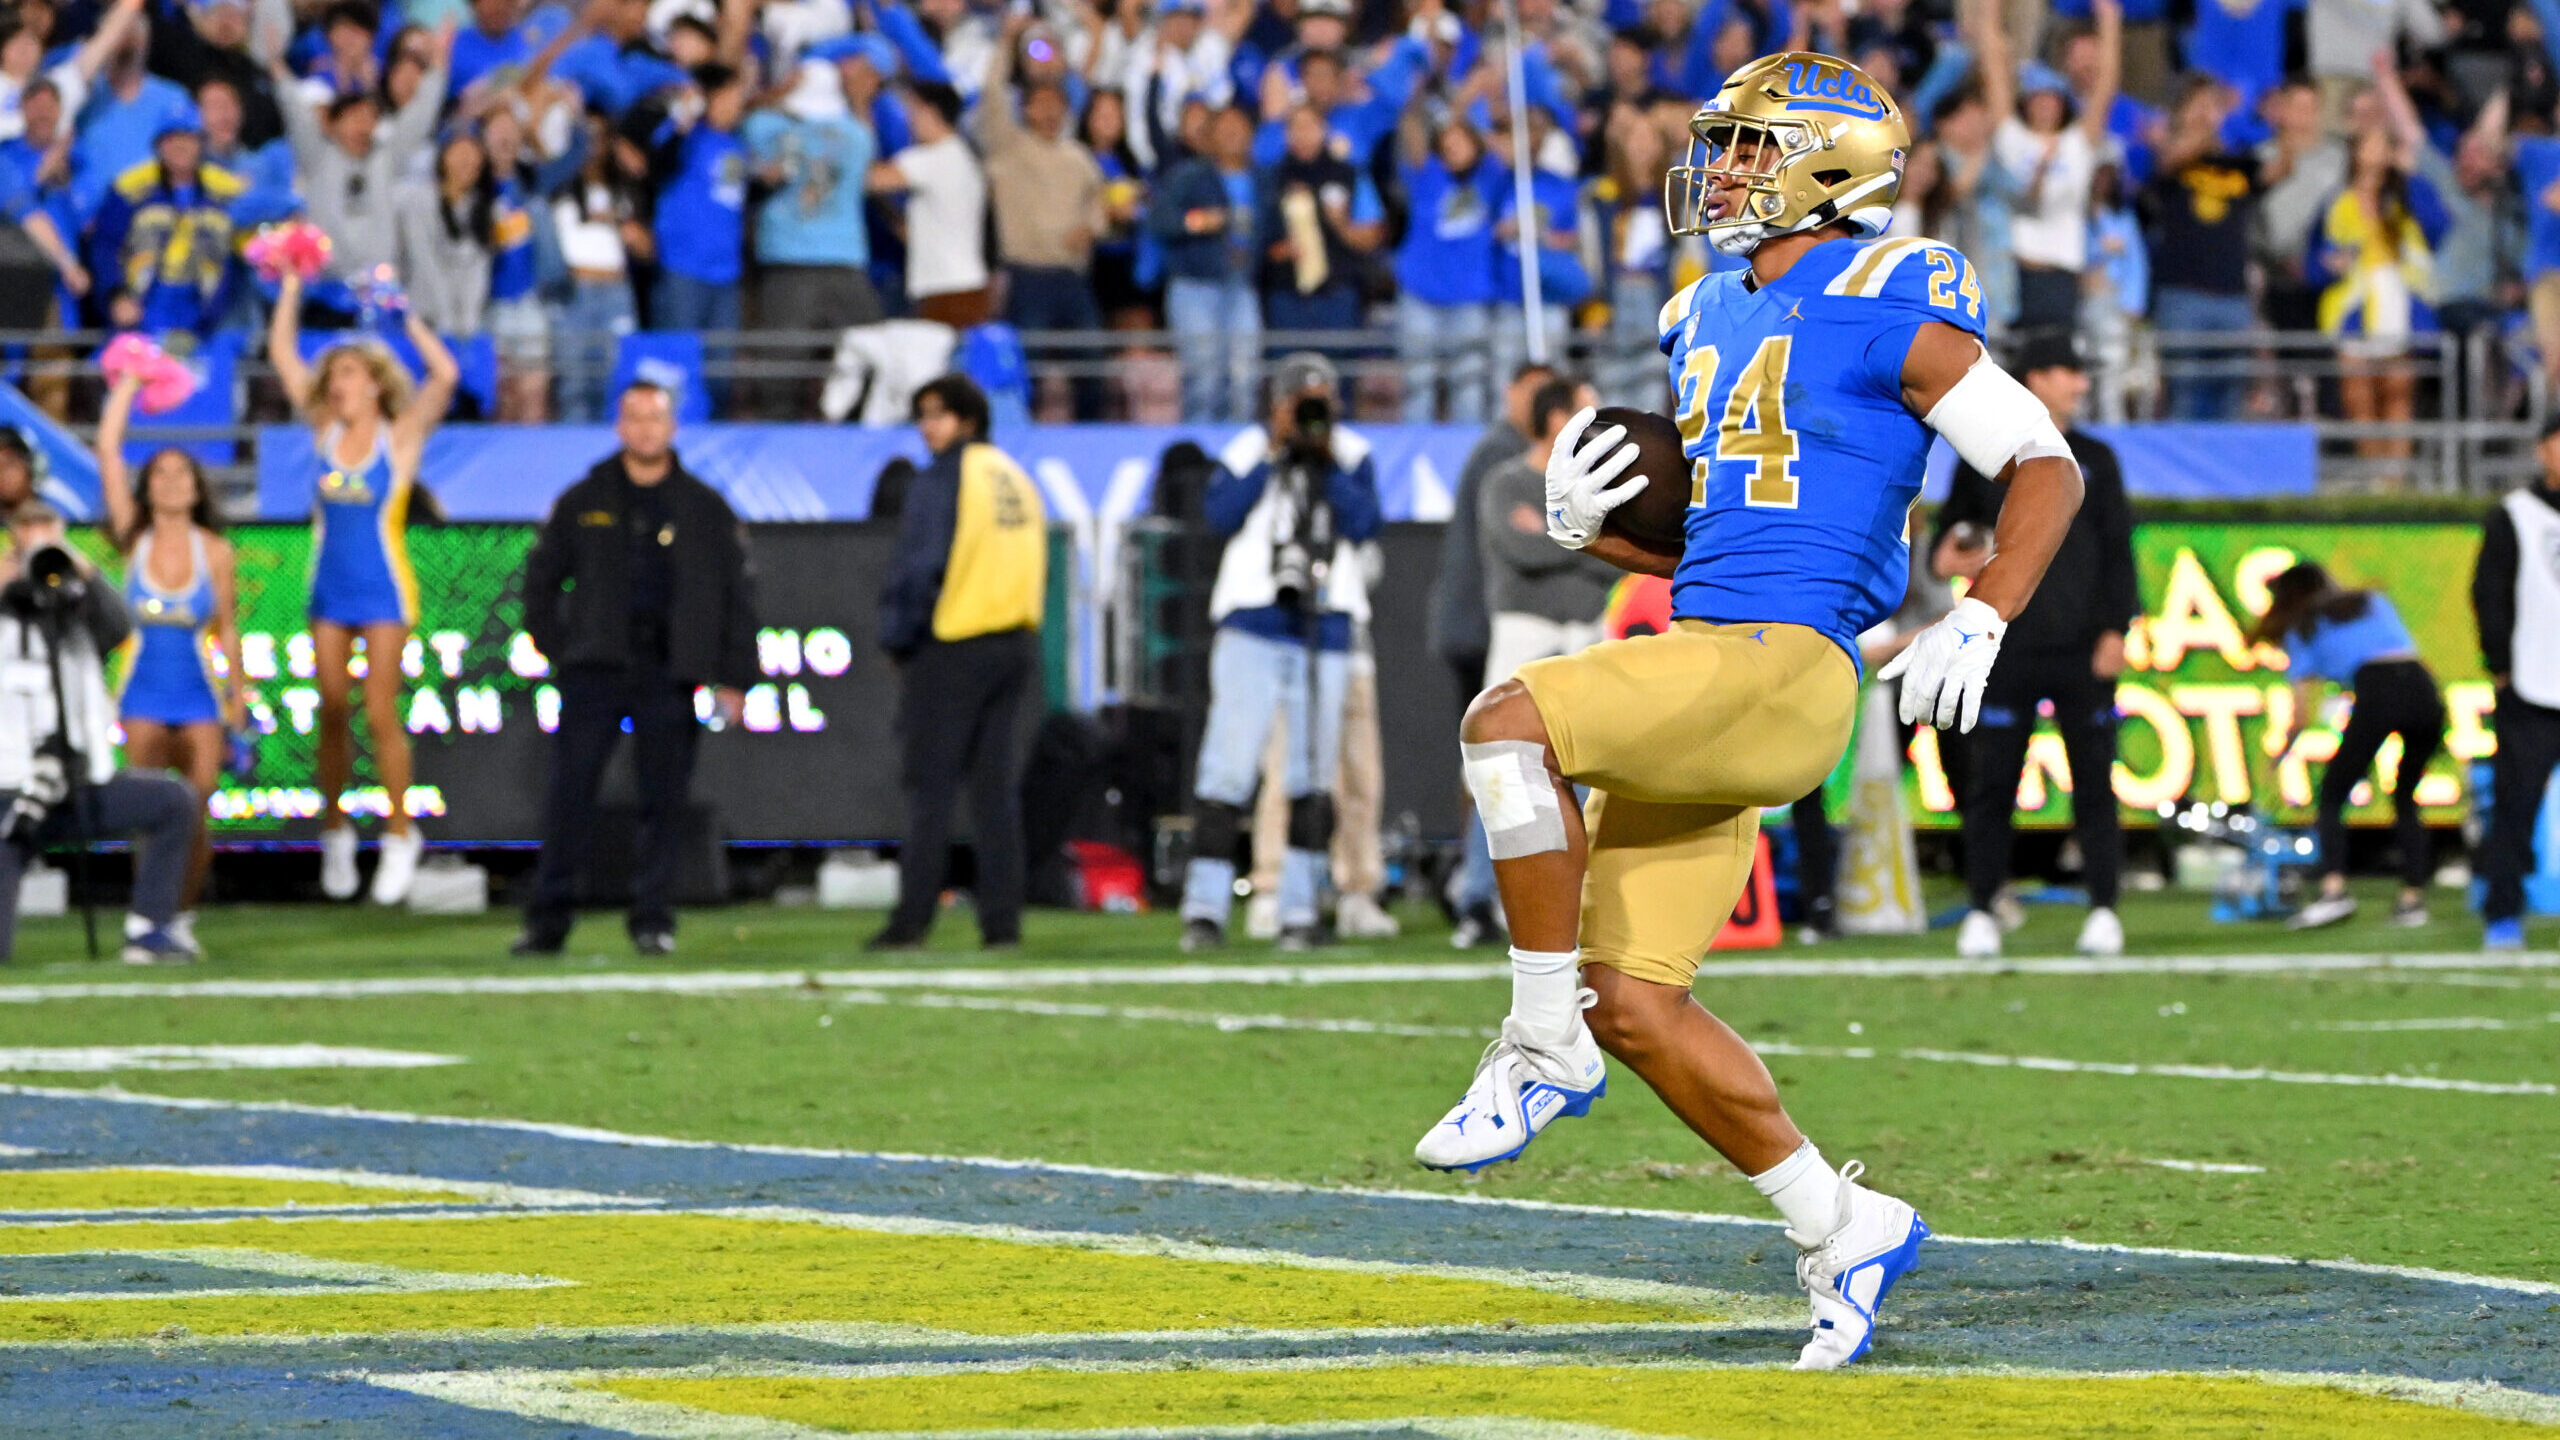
(167, 383)
(298, 246)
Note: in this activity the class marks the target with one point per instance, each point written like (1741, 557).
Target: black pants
(2393, 697)
(594, 701)
(1817, 860)
(157, 806)
(2528, 748)
(959, 721)
(2084, 710)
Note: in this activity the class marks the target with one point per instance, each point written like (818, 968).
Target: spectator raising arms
(1047, 193)
(350, 163)
(2054, 154)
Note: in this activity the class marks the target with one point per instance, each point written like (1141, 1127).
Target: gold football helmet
(1809, 138)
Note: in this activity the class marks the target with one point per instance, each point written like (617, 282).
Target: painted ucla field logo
(1811, 87)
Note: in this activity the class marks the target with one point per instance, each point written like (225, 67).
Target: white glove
(1944, 670)
(1579, 495)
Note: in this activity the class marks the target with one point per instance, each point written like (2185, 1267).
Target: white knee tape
(1514, 797)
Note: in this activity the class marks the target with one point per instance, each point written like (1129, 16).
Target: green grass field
(2318, 1155)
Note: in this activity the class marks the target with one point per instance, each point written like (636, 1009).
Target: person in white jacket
(1294, 499)
(58, 781)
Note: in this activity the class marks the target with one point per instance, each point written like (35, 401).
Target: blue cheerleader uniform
(170, 681)
(360, 548)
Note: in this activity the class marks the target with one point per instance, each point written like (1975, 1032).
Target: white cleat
(1979, 937)
(338, 878)
(1262, 916)
(1847, 1273)
(2102, 933)
(2327, 910)
(396, 868)
(1360, 917)
(1519, 1089)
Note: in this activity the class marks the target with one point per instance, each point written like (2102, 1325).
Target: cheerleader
(175, 710)
(370, 432)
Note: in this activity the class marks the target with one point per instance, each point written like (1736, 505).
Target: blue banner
(2190, 462)
(825, 472)
(66, 468)
(1105, 472)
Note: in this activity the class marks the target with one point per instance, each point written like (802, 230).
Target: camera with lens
(1311, 428)
(49, 582)
(1302, 532)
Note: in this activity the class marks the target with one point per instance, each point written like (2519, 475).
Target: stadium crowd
(1226, 169)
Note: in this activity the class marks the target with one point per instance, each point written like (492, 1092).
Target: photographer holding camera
(58, 777)
(1296, 497)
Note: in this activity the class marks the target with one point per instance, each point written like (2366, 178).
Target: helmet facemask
(1735, 152)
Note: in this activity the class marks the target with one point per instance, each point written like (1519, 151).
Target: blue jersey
(1805, 460)
(360, 554)
(166, 679)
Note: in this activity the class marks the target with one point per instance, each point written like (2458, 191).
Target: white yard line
(2208, 1167)
(1242, 1183)
(93, 1059)
(1045, 977)
(2445, 1022)
(570, 1396)
(1236, 1023)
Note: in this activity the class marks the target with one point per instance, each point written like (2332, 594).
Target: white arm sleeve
(1990, 419)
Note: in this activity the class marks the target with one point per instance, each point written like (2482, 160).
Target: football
(1656, 517)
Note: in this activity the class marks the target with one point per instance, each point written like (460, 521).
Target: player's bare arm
(1633, 555)
(2044, 490)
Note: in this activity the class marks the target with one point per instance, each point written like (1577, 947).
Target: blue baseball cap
(1184, 7)
(865, 45)
(2036, 77)
(181, 119)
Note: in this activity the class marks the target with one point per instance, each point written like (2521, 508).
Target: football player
(1809, 386)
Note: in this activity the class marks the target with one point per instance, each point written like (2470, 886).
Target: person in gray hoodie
(352, 157)
(1543, 599)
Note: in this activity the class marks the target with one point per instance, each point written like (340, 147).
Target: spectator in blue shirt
(1202, 212)
(606, 53)
(812, 253)
(2354, 639)
(115, 129)
(517, 316)
(701, 168)
(162, 250)
(350, 62)
(1553, 237)
(1444, 269)
(500, 38)
(35, 193)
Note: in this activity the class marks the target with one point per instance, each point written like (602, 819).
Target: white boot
(2102, 933)
(1979, 937)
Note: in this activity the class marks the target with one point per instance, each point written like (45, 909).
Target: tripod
(49, 618)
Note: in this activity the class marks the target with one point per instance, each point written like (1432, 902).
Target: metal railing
(2477, 410)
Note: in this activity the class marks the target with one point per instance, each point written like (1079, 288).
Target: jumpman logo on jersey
(1794, 313)
(1760, 636)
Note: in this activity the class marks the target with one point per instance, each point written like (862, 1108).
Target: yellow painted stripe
(1722, 1404)
(701, 1270)
(141, 1189)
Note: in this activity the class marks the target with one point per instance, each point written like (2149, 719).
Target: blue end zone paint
(2021, 1304)
(139, 1396)
(138, 1276)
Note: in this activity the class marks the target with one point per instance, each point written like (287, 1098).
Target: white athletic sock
(1805, 1189)
(1546, 988)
